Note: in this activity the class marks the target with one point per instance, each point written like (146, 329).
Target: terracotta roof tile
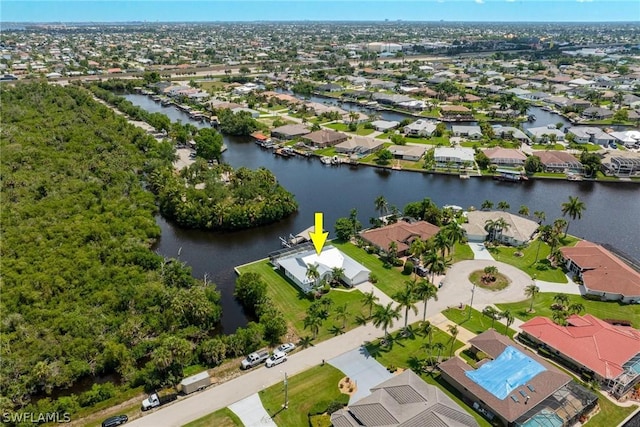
(589, 341)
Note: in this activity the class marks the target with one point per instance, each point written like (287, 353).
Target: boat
(574, 177)
(325, 160)
(464, 176)
(397, 166)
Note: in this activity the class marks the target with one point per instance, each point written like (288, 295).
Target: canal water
(611, 216)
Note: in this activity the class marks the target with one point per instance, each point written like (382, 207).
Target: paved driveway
(252, 413)
(363, 369)
(480, 251)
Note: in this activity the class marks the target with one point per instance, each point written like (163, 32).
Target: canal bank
(611, 215)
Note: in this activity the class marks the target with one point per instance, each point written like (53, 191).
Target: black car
(115, 421)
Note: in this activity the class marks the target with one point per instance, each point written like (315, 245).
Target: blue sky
(251, 10)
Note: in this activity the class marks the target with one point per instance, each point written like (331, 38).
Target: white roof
(329, 258)
(464, 154)
(631, 136)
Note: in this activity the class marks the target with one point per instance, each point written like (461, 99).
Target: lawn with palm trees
(603, 310)
(425, 341)
(525, 259)
(478, 322)
(293, 303)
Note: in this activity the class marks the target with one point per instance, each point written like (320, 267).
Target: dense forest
(220, 198)
(82, 293)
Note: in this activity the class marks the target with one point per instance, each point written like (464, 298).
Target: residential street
(456, 290)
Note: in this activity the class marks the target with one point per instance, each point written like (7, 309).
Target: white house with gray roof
(590, 134)
(296, 265)
(420, 128)
(453, 156)
(518, 230)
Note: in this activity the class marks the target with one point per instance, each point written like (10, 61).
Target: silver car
(277, 358)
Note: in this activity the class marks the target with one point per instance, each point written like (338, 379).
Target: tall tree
(313, 274)
(486, 205)
(524, 210)
(369, 299)
(342, 313)
(573, 208)
(531, 291)
(508, 317)
(540, 216)
(406, 299)
(381, 205)
(492, 313)
(313, 322)
(503, 206)
(425, 291)
(453, 331)
(383, 316)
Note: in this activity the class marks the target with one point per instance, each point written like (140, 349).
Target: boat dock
(298, 239)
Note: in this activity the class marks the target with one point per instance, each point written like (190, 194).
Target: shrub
(334, 406)
(373, 278)
(319, 407)
(408, 268)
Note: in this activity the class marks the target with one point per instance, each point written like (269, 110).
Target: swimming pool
(507, 372)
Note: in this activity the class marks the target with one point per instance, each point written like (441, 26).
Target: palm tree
(305, 342)
(531, 291)
(486, 205)
(438, 266)
(575, 308)
(313, 273)
(426, 291)
(503, 206)
(524, 210)
(384, 316)
(540, 215)
(561, 300)
(453, 331)
(439, 347)
(313, 323)
(508, 316)
(342, 313)
(495, 228)
(392, 252)
(573, 208)
(406, 299)
(369, 299)
(381, 205)
(491, 312)
(442, 242)
(426, 329)
(417, 247)
(454, 232)
(336, 274)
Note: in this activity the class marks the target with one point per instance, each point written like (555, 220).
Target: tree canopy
(82, 292)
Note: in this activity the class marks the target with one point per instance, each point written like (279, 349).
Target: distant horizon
(411, 11)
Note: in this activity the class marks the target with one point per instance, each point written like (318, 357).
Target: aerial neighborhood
(142, 162)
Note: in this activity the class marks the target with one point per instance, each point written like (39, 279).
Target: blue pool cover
(507, 372)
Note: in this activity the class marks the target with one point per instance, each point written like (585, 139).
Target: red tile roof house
(402, 232)
(590, 346)
(602, 273)
(516, 386)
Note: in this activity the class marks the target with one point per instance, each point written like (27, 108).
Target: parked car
(115, 421)
(254, 359)
(157, 399)
(613, 145)
(286, 347)
(277, 358)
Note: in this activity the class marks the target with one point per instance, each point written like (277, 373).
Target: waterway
(611, 215)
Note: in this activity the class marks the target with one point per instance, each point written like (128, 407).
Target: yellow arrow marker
(318, 236)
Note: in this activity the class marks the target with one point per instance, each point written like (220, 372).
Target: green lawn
(407, 352)
(293, 303)
(610, 414)
(477, 323)
(549, 175)
(304, 390)
(420, 140)
(221, 418)
(390, 280)
(343, 127)
(542, 270)
(461, 252)
(549, 146)
(602, 310)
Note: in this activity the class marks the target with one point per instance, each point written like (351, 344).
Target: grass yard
(293, 303)
(390, 280)
(343, 127)
(477, 323)
(542, 270)
(461, 252)
(221, 418)
(407, 352)
(602, 310)
(304, 390)
(548, 147)
(610, 414)
(553, 175)
(214, 86)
